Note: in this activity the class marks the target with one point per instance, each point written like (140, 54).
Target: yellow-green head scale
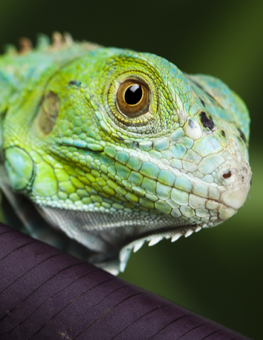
(117, 147)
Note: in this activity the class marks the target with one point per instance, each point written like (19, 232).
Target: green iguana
(104, 149)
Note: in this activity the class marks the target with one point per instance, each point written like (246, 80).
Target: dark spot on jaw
(207, 121)
(242, 136)
(75, 82)
(251, 181)
(223, 133)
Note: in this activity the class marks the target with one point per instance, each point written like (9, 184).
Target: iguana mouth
(173, 233)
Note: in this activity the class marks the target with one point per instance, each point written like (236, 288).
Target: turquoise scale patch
(178, 151)
(149, 185)
(19, 166)
(150, 170)
(166, 177)
(163, 191)
(177, 134)
(134, 163)
(183, 184)
(207, 145)
(161, 144)
(122, 157)
(210, 163)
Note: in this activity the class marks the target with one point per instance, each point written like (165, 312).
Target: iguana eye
(133, 98)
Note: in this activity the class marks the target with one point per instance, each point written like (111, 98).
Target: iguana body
(115, 147)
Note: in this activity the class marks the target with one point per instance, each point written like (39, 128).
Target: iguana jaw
(230, 201)
(173, 233)
(129, 229)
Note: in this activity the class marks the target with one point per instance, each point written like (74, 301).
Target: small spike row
(59, 41)
(154, 239)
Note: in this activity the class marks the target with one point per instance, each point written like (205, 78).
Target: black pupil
(133, 94)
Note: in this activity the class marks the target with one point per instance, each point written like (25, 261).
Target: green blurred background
(217, 272)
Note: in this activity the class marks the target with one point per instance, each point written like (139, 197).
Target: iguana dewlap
(114, 148)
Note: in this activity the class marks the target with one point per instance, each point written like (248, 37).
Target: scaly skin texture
(108, 180)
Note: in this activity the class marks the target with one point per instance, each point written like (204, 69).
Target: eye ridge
(130, 103)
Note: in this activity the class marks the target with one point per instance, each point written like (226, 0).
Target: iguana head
(124, 148)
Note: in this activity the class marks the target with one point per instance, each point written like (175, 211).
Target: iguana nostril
(227, 175)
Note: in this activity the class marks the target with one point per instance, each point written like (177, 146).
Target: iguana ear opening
(49, 110)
